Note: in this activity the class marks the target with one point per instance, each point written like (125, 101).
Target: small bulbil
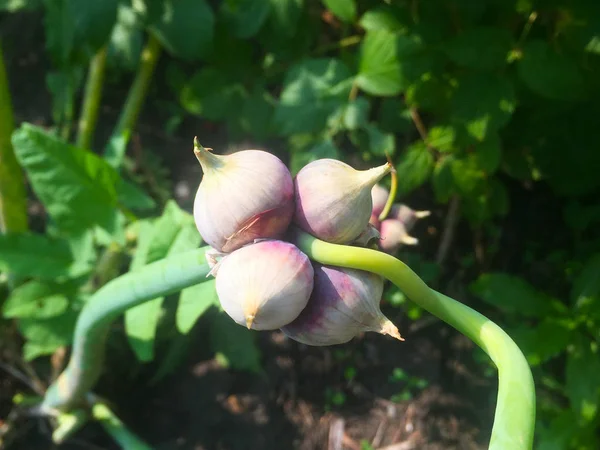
(243, 196)
(393, 234)
(343, 304)
(264, 285)
(379, 197)
(333, 200)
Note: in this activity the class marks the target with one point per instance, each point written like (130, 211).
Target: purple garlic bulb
(393, 233)
(244, 196)
(407, 215)
(344, 303)
(379, 196)
(394, 230)
(264, 285)
(333, 200)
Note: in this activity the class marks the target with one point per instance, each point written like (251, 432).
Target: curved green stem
(91, 331)
(91, 100)
(514, 419)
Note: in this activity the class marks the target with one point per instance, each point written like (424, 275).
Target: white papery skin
(265, 285)
(344, 303)
(333, 200)
(242, 197)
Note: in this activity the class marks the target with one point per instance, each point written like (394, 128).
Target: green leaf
(344, 10)
(303, 155)
(16, 5)
(77, 187)
(559, 434)
(430, 93)
(169, 234)
(186, 28)
(141, 321)
(285, 15)
(483, 48)
(126, 41)
(380, 143)
(36, 300)
(44, 336)
(356, 113)
(372, 141)
(35, 255)
(75, 29)
(443, 179)
(381, 18)
(483, 103)
(313, 90)
(245, 17)
(550, 74)
(415, 167)
(166, 230)
(468, 177)
(583, 366)
(585, 293)
(63, 85)
(394, 116)
(512, 294)
(389, 62)
(544, 341)
(442, 137)
(209, 94)
(488, 154)
(256, 116)
(133, 197)
(234, 345)
(193, 302)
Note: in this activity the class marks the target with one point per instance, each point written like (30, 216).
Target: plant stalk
(117, 430)
(136, 96)
(514, 419)
(113, 299)
(91, 100)
(13, 200)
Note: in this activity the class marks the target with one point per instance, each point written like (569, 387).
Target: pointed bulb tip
(249, 321)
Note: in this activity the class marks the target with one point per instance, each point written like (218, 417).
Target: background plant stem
(91, 100)
(514, 421)
(13, 203)
(117, 430)
(137, 93)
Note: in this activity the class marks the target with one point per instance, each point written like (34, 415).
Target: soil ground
(290, 405)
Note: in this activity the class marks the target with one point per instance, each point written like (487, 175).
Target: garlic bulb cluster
(333, 200)
(243, 208)
(242, 197)
(343, 304)
(394, 229)
(265, 285)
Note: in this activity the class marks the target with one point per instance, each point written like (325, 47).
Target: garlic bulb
(333, 200)
(344, 303)
(393, 233)
(264, 285)
(242, 197)
(379, 196)
(407, 215)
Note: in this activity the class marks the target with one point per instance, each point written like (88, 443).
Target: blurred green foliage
(468, 97)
